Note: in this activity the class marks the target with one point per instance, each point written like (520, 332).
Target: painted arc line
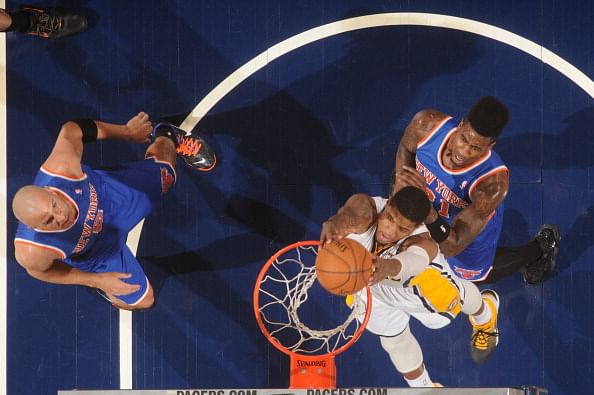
(377, 20)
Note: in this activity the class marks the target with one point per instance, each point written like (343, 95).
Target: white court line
(125, 327)
(3, 218)
(377, 20)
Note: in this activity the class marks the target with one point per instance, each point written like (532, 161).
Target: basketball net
(281, 290)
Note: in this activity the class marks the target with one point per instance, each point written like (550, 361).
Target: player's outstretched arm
(471, 221)
(66, 155)
(421, 124)
(413, 258)
(356, 216)
(44, 264)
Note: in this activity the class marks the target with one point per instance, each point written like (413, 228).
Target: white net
(289, 287)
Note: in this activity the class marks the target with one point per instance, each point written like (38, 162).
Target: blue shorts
(132, 189)
(476, 261)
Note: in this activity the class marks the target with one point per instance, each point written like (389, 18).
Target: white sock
(484, 317)
(422, 381)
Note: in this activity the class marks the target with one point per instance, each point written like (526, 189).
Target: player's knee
(472, 298)
(404, 350)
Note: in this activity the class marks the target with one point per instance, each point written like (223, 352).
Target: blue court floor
(298, 130)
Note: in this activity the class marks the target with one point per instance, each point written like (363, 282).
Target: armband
(440, 229)
(412, 261)
(89, 129)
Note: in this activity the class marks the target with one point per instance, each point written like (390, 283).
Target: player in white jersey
(410, 276)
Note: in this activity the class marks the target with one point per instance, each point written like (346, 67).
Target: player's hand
(138, 128)
(409, 177)
(113, 285)
(380, 269)
(334, 230)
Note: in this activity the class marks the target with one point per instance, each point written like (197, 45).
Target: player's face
(55, 212)
(392, 226)
(465, 147)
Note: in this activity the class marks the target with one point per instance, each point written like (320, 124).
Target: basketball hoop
(284, 285)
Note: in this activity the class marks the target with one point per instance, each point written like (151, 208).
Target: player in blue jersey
(74, 220)
(467, 183)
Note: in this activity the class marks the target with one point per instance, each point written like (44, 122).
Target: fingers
(372, 278)
(129, 289)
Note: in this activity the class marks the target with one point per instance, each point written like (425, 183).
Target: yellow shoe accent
(349, 300)
(485, 337)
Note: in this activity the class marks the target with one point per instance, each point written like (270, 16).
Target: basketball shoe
(191, 148)
(485, 337)
(53, 22)
(548, 237)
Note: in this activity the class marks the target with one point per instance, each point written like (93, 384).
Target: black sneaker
(54, 23)
(191, 148)
(548, 237)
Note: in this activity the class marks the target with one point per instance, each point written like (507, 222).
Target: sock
(484, 317)
(422, 381)
(21, 21)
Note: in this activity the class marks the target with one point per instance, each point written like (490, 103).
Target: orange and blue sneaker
(485, 337)
(191, 148)
(53, 22)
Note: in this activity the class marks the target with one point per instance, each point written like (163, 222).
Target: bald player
(74, 220)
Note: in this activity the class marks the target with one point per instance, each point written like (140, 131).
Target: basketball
(343, 267)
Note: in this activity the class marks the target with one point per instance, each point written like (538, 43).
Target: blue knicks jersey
(451, 192)
(97, 228)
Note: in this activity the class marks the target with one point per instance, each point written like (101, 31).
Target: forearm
(60, 273)
(357, 214)
(347, 218)
(462, 232)
(107, 130)
(403, 158)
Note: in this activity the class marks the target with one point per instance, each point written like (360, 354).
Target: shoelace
(480, 339)
(189, 146)
(47, 25)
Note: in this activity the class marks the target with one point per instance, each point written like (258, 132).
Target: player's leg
(43, 22)
(406, 355)
(535, 260)
(482, 309)
(192, 148)
(162, 149)
(125, 262)
(5, 20)
(390, 322)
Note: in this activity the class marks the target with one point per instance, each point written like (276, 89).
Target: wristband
(89, 129)
(440, 229)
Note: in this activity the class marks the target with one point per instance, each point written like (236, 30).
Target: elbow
(450, 249)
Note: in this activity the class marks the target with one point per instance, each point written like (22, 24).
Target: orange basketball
(343, 266)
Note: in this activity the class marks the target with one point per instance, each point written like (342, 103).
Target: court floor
(305, 103)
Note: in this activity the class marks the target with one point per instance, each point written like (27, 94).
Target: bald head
(29, 204)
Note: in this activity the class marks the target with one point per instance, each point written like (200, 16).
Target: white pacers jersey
(393, 302)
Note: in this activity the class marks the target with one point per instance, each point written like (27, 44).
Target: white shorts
(393, 305)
